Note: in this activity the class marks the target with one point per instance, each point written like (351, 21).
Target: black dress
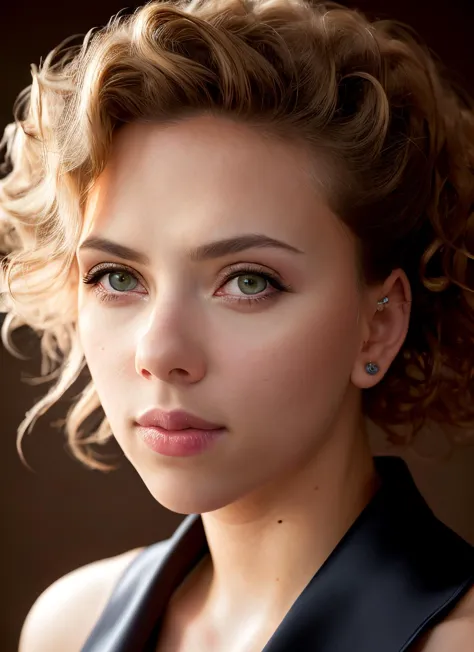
(396, 573)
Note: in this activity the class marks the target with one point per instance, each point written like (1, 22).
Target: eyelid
(243, 267)
(109, 267)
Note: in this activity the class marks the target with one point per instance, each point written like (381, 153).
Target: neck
(265, 548)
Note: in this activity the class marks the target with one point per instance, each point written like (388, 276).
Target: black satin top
(396, 573)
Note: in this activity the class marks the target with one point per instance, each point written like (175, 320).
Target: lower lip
(179, 443)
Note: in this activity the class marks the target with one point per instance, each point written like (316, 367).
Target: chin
(190, 497)
(188, 504)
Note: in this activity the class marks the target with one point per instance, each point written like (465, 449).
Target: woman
(252, 221)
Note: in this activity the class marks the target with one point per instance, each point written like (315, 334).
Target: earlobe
(386, 320)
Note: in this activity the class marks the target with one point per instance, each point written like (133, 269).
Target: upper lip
(175, 420)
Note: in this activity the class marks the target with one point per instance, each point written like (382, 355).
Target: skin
(284, 375)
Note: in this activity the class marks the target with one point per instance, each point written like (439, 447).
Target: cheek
(91, 335)
(298, 367)
(105, 350)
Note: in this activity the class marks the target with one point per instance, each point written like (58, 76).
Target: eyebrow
(209, 251)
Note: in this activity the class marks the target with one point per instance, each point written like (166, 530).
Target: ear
(383, 331)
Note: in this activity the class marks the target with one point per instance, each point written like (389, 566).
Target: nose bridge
(165, 311)
(164, 325)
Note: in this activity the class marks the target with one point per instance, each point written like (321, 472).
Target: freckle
(277, 579)
(280, 521)
(315, 488)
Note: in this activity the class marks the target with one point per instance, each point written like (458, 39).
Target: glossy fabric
(396, 573)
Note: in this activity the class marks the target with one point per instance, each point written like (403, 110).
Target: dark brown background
(63, 515)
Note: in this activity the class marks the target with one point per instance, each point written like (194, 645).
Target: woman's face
(261, 340)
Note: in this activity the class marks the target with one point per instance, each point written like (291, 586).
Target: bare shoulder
(456, 632)
(65, 613)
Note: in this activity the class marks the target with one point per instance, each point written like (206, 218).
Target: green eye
(122, 281)
(253, 282)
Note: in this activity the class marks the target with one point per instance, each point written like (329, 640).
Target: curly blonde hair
(367, 95)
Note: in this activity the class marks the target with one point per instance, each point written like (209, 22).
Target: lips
(175, 420)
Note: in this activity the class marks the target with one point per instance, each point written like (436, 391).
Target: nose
(167, 348)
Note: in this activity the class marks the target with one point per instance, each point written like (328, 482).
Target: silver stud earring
(372, 368)
(382, 303)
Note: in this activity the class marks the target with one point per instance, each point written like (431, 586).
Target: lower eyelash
(103, 295)
(248, 300)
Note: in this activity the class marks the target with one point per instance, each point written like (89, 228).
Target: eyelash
(93, 278)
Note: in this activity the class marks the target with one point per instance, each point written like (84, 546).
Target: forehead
(206, 175)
